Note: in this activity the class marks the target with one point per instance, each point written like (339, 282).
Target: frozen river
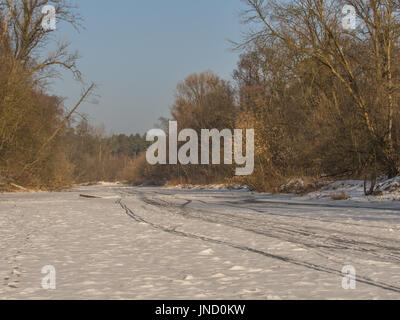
(156, 243)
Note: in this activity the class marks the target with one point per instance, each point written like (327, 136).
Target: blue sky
(137, 51)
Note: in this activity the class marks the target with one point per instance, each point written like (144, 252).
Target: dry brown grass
(340, 196)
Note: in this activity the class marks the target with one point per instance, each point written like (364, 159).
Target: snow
(220, 187)
(108, 184)
(389, 190)
(162, 243)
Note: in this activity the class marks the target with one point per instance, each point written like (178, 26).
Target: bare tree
(27, 37)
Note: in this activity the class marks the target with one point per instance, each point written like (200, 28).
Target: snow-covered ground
(385, 190)
(159, 243)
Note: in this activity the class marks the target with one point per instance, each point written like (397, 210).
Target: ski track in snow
(157, 243)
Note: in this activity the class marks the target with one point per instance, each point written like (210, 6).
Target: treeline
(322, 98)
(97, 157)
(202, 101)
(42, 144)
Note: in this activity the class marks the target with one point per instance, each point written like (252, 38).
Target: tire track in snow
(284, 231)
(361, 279)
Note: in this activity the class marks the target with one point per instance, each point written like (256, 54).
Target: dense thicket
(96, 157)
(323, 98)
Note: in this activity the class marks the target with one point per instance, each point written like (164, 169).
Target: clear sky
(137, 51)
